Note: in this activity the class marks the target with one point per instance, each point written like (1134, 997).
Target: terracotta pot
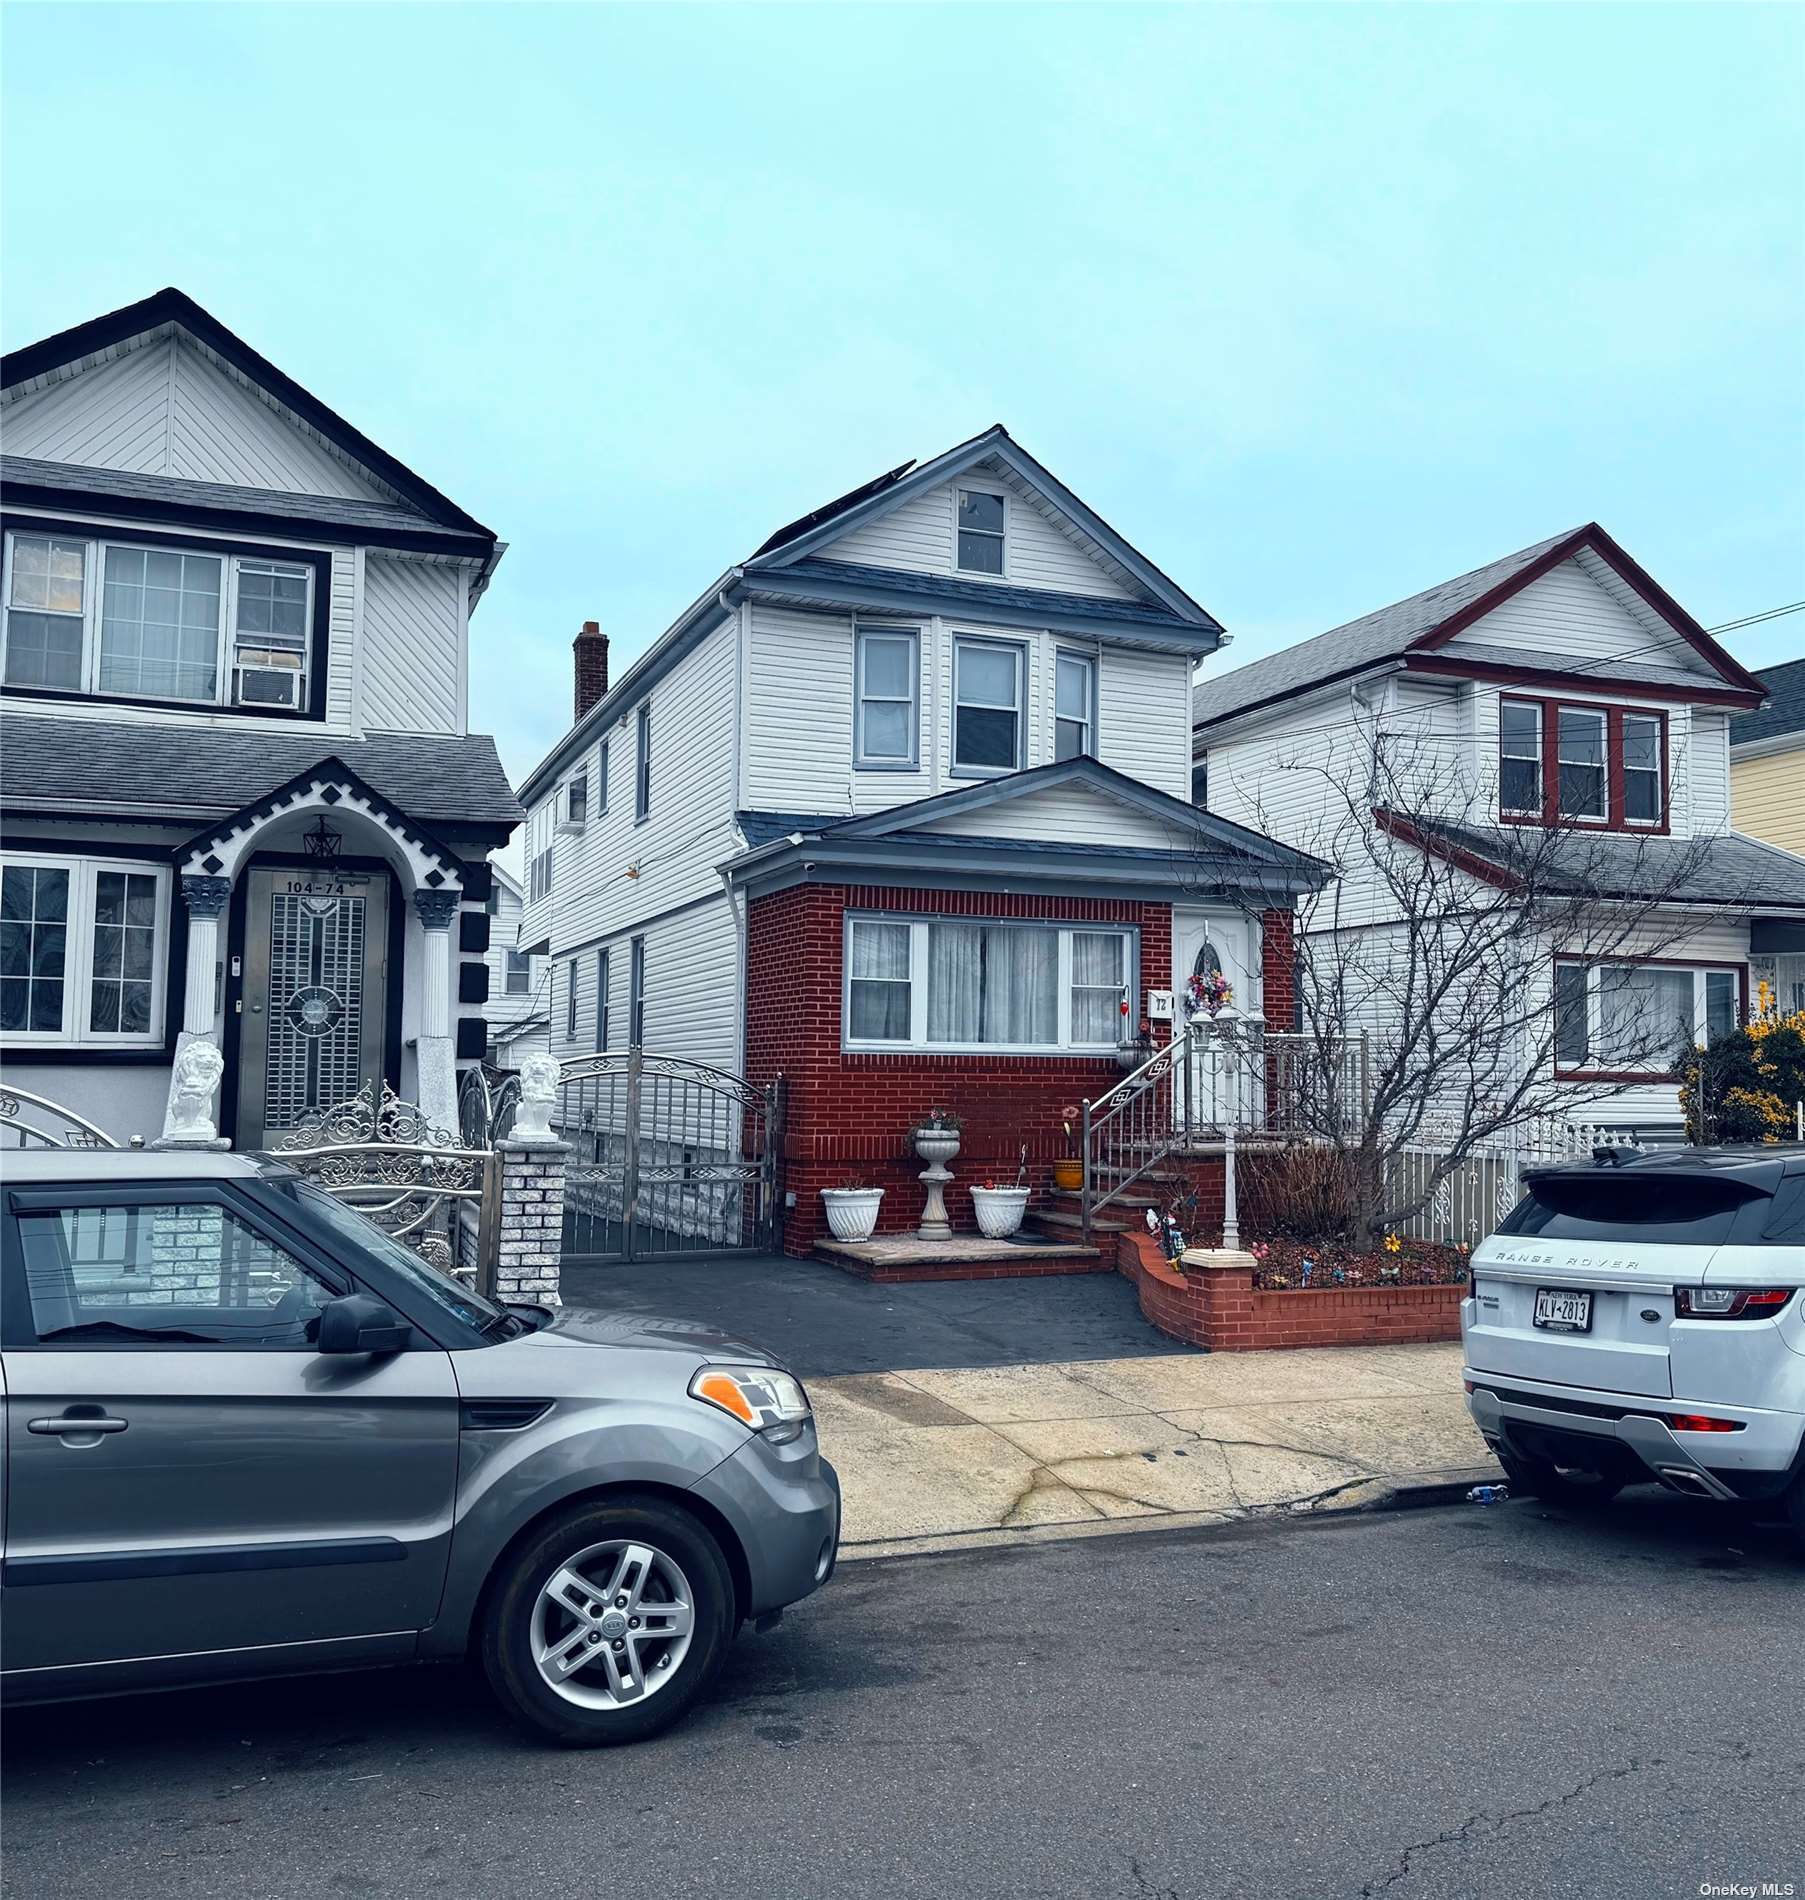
(1068, 1175)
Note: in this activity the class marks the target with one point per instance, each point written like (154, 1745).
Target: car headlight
(760, 1397)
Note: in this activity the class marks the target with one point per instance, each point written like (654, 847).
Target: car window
(175, 1273)
(1669, 1210)
(1785, 1224)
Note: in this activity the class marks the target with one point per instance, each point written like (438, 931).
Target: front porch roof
(1209, 857)
(1728, 871)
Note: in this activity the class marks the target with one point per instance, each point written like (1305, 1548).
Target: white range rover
(1639, 1318)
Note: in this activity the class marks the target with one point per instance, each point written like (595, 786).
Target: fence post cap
(1217, 1259)
(528, 1144)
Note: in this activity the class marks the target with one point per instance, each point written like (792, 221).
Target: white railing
(34, 1121)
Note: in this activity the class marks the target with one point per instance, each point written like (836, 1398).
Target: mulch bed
(1287, 1265)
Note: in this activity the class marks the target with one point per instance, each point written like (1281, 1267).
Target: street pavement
(1502, 1702)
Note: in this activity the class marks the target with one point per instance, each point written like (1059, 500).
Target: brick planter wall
(850, 1114)
(1221, 1309)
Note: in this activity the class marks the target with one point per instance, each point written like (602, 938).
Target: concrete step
(1070, 1221)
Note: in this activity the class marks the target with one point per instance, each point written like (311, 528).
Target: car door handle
(66, 1427)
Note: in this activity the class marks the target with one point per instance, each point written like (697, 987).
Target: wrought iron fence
(667, 1157)
(34, 1121)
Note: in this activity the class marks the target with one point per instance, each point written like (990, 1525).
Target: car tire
(1537, 1477)
(554, 1613)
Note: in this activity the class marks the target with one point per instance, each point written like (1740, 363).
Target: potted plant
(852, 1209)
(1130, 1055)
(936, 1136)
(1068, 1170)
(1000, 1206)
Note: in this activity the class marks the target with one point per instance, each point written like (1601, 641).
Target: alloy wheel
(612, 1624)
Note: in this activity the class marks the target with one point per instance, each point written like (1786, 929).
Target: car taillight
(1698, 1422)
(1730, 1302)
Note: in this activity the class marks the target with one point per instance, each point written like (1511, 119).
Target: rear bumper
(783, 1502)
(1757, 1462)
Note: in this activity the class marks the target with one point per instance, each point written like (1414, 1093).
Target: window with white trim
(576, 800)
(1520, 757)
(887, 704)
(642, 764)
(601, 1000)
(1074, 706)
(974, 986)
(570, 1000)
(988, 698)
(636, 991)
(1642, 769)
(126, 620)
(601, 781)
(83, 948)
(1584, 792)
(517, 977)
(1637, 1018)
(980, 527)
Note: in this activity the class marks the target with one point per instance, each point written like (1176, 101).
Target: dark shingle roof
(204, 772)
(1730, 869)
(1031, 600)
(1363, 642)
(1786, 713)
(841, 504)
(766, 827)
(370, 518)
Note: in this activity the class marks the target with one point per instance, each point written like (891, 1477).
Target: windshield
(362, 1233)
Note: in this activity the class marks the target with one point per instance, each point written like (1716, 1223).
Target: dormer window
(1520, 758)
(1642, 769)
(1596, 767)
(1583, 791)
(980, 532)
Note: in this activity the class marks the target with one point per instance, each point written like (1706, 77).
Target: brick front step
(900, 1257)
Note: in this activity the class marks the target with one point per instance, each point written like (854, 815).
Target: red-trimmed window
(1564, 762)
(1631, 1019)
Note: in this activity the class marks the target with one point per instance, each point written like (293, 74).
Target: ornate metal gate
(382, 1156)
(667, 1157)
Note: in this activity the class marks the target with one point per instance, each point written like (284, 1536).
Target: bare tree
(1430, 1013)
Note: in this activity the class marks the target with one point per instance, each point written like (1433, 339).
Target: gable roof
(1785, 710)
(808, 534)
(1424, 622)
(42, 361)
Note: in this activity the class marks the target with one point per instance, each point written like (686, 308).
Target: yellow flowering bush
(1747, 1085)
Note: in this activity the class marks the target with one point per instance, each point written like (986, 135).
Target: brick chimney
(590, 649)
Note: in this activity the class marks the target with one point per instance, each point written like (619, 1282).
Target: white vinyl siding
(167, 409)
(412, 641)
(1581, 608)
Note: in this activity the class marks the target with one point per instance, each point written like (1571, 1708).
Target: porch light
(322, 842)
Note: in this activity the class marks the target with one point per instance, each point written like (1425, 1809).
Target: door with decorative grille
(312, 1007)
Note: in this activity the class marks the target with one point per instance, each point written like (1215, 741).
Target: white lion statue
(197, 1073)
(538, 1090)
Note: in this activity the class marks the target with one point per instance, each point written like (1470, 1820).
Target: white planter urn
(852, 1212)
(999, 1210)
(936, 1146)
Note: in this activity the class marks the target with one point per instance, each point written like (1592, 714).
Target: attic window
(980, 532)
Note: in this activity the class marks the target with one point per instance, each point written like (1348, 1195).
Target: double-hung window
(988, 699)
(886, 714)
(1074, 706)
(1584, 791)
(1520, 757)
(83, 944)
(517, 977)
(960, 985)
(119, 620)
(576, 800)
(1642, 768)
(981, 531)
(1638, 1018)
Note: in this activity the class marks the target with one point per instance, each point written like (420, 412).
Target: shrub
(1751, 1082)
(1307, 1192)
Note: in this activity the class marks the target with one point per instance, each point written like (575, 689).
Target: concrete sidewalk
(1004, 1451)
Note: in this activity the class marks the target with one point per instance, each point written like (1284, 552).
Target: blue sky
(1317, 305)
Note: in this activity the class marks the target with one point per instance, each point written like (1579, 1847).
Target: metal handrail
(1129, 1099)
(87, 1135)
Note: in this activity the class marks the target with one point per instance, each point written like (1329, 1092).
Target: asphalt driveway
(823, 1321)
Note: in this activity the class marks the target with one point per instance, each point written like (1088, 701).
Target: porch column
(188, 1114)
(436, 1050)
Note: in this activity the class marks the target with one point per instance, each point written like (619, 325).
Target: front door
(1204, 944)
(189, 1476)
(312, 1008)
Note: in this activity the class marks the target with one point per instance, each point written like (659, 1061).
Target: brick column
(1278, 970)
(532, 1221)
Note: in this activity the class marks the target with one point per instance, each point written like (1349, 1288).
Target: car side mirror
(358, 1322)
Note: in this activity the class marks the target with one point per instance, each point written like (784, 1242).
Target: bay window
(974, 986)
(988, 678)
(1639, 1017)
(163, 621)
(83, 945)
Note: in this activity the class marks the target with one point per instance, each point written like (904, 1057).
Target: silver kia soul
(247, 1433)
(1640, 1318)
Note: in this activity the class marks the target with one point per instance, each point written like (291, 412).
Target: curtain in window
(879, 982)
(993, 983)
(1645, 1014)
(1097, 981)
(159, 624)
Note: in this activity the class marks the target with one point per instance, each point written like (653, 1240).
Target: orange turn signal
(720, 1390)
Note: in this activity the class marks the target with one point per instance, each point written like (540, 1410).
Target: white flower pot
(937, 1146)
(999, 1210)
(852, 1212)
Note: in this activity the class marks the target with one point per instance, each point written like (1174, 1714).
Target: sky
(1316, 305)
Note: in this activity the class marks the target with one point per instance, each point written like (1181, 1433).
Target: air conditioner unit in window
(570, 827)
(268, 686)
